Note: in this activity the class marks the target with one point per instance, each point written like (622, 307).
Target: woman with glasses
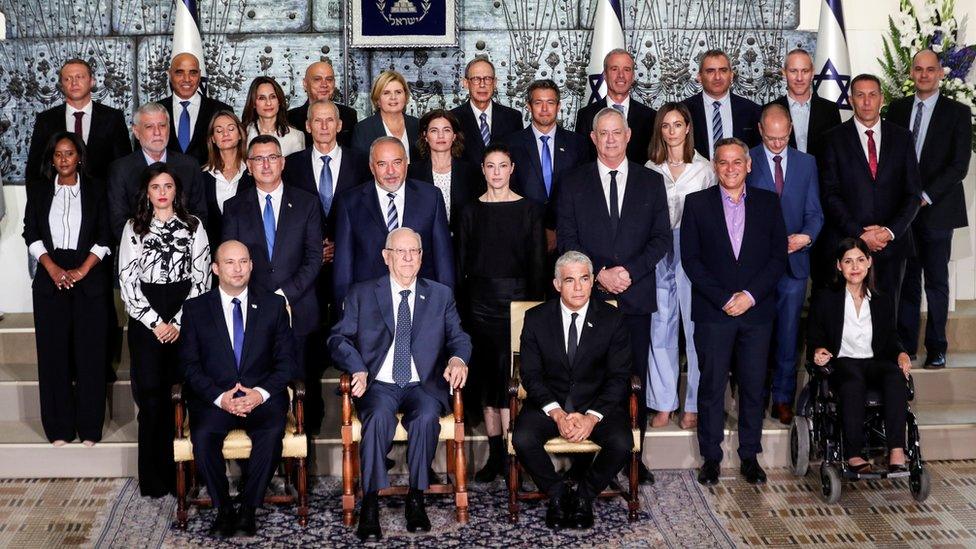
(266, 113)
(390, 95)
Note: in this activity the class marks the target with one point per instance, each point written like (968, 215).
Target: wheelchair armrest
(457, 405)
(179, 408)
(345, 392)
(910, 384)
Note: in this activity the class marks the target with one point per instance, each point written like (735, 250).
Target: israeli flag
(832, 64)
(608, 35)
(186, 33)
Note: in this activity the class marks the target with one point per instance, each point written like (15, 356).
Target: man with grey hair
(618, 73)
(812, 115)
(483, 119)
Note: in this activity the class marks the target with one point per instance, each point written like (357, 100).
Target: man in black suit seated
(483, 119)
(320, 85)
(233, 389)
(102, 128)
(812, 115)
(575, 367)
(618, 73)
(189, 110)
(942, 134)
(733, 247)
(716, 112)
(150, 125)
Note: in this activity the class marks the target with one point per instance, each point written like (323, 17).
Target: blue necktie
(238, 331)
(325, 184)
(485, 131)
(917, 129)
(391, 214)
(546, 164)
(619, 107)
(401, 342)
(716, 123)
(184, 133)
(269, 225)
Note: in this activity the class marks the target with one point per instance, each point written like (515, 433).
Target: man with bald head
(189, 110)
(792, 175)
(812, 115)
(320, 85)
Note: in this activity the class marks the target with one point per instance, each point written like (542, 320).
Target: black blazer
(824, 115)
(570, 151)
(640, 118)
(371, 127)
(826, 325)
(298, 173)
(745, 121)
(297, 252)
(504, 122)
(598, 377)
(944, 160)
(852, 200)
(214, 223)
(299, 115)
(108, 139)
(715, 273)
(207, 353)
(198, 141)
(467, 184)
(643, 233)
(94, 229)
(123, 186)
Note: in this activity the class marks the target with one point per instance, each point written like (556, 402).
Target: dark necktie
(391, 214)
(872, 154)
(717, 128)
(79, 129)
(401, 342)
(917, 128)
(778, 176)
(485, 130)
(238, 331)
(614, 206)
(546, 164)
(573, 339)
(325, 184)
(183, 136)
(619, 107)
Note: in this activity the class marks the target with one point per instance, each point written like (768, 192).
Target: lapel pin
(254, 306)
(561, 149)
(289, 204)
(422, 296)
(589, 324)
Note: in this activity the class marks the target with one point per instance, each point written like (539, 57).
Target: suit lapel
(760, 165)
(935, 124)
(558, 151)
(585, 335)
(885, 150)
(254, 308)
(718, 213)
(220, 323)
(385, 301)
(286, 215)
(557, 333)
(533, 150)
(854, 145)
(200, 127)
(253, 215)
(374, 206)
(594, 192)
(419, 310)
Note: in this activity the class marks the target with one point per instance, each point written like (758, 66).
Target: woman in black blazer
(861, 343)
(225, 174)
(66, 228)
(390, 95)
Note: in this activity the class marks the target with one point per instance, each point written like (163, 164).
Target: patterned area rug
(54, 512)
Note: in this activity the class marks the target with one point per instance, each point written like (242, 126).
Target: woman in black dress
(501, 251)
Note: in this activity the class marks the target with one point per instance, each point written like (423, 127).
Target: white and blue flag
(832, 63)
(608, 35)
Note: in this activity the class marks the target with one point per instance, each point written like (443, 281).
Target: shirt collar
(87, 109)
(567, 313)
(226, 298)
(384, 192)
(275, 194)
(770, 154)
(930, 102)
(625, 103)
(149, 159)
(333, 154)
(726, 197)
(724, 100)
(396, 288)
(477, 112)
(861, 128)
(194, 100)
(605, 170)
(538, 134)
(850, 296)
(794, 103)
(73, 190)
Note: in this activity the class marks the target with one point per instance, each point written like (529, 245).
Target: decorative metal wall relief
(50, 18)
(519, 14)
(327, 15)
(215, 16)
(702, 14)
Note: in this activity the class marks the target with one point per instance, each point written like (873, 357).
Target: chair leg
(181, 515)
(633, 503)
(513, 486)
(460, 481)
(348, 476)
(302, 487)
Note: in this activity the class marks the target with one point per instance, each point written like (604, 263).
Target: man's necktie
(917, 129)
(546, 164)
(485, 131)
(79, 129)
(619, 107)
(184, 132)
(614, 205)
(325, 184)
(401, 342)
(872, 154)
(716, 123)
(573, 338)
(391, 214)
(778, 177)
(238, 331)
(269, 225)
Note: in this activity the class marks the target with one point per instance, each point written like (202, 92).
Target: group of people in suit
(705, 217)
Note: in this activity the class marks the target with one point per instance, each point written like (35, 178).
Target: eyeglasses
(263, 159)
(479, 80)
(404, 253)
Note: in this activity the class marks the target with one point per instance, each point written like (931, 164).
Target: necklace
(675, 164)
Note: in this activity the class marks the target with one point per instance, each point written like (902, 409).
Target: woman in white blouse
(390, 96)
(164, 259)
(672, 154)
(265, 113)
(852, 327)
(225, 174)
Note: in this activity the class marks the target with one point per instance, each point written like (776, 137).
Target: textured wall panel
(56, 18)
(216, 16)
(702, 14)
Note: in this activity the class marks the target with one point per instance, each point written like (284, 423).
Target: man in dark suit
(150, 125)
(618, 74)
(869, 189)
(189, 110)
(320, 85)
(393, 358)
(733, 247)
(811, 114)
(716, 112)
(792, 175)
(236, 386)
(282, 226)
(942, 134)
(366, 214)
(483, 119)
(102, 128)
(616, 212)
(575, 368)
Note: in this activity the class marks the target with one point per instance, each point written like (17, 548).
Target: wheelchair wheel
(830, 483)
(920, 484)
(799, 446)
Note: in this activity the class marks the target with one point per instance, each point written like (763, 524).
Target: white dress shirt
(625, 104)
(276, 196)
(398, 201)
(291, 142)
(621, 183)
(566, 316)
(855, 341)
(405, 138)
(69, 119)
(64, 220)
(228, 307)
(698, 175)
(225, 189)
(725, 109)
(551, 144)
(477, 115)
(800, 113)
(150, 161)
(193, 109)
(335, 165)
(386, 370)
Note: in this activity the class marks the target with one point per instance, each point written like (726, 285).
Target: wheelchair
(816, 433)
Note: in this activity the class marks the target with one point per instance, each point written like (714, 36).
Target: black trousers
(934, 248)
(717, 345)
(851, 378)
(640, 342)
(489, 324)
(888, 276)
(265, 426)
(533, 428)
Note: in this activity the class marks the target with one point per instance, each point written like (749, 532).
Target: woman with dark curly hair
(266, 113)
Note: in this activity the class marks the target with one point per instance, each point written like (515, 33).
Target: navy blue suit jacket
(298, 173)
(800, 201)
(361, 339)
(361, 234)
(745, 121)
(715, 273)
(569, 152)
(207, 353)
(370, 128)
(643, 233)
(297, 251)
(504, 122)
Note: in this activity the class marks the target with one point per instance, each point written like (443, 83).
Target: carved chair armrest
(179, 408)
(345, 396)
(298, 404)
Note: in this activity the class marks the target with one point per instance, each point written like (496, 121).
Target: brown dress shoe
(784, 412)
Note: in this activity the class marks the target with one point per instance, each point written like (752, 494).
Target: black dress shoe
(898, 468)
(644, 475)
(416, 512)
(245, 522)
(558, 510)
(709, 472)
(582, 515)
(225, 523)
(752, 471)
(935, 361)
(369, 518)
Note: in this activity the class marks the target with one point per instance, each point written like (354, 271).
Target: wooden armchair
(237, 445)
(559, 445)
(452, 434)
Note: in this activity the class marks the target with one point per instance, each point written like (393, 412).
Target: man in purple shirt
(733, 273)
